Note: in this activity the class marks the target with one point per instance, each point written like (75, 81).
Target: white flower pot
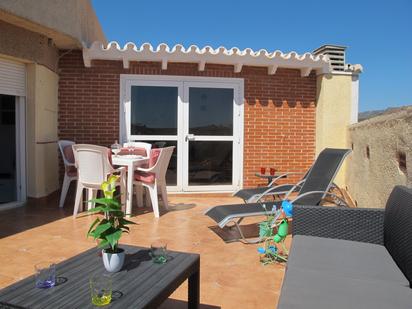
(113, 262)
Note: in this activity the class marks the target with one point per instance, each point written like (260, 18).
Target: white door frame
(183, 82)
(21, 149)
(235, 137)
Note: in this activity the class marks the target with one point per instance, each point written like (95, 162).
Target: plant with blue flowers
(273, 232)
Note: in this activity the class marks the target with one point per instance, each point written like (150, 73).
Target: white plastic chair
(94, 167)
(70, 171)
(145, 146)
(155, 177)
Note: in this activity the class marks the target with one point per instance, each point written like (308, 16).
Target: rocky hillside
(369, 114)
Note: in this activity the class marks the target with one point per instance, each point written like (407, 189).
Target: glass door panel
(8, 171)
(210, 163)
(152, 116)
(153, 110)
(211, 111)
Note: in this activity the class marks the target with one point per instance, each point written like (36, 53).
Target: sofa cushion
(398, 229)
(312, 289)
(345, 258)
(333, 273)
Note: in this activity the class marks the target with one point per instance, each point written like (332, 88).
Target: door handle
(190, 137)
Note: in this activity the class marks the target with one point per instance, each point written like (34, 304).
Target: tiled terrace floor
(231, 275)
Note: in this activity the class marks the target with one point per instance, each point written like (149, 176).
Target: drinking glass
(272, 171)
(116, 147)
(158, 252)
(45, 275)
(101, 290)
(263, 170)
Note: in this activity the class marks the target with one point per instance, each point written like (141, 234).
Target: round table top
(268, 176)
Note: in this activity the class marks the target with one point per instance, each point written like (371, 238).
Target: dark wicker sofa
(351, 258)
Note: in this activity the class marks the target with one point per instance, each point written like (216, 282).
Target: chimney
(336, 55)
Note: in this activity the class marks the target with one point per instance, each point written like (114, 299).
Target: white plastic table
(132, 164)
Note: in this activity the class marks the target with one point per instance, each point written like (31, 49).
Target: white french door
(201, 117)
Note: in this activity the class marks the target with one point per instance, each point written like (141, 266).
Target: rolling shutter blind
(12, 78)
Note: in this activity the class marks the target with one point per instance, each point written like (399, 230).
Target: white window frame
(183, 82)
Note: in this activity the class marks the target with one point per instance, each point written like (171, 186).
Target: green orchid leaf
(117, 213)
(93, 225)
(124, 221)
(101, 228)
(103, 244)
(114, 238)
(99, 200)
(98, 209)
(105, 201)
(124, 228)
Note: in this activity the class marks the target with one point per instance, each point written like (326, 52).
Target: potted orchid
(109, 229)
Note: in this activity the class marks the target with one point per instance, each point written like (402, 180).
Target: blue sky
(378, 33)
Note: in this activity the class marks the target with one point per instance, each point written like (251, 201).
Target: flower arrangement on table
(273, 232)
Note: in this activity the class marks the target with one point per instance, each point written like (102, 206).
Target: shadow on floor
(180, 206)
(38, 212)
(172, 207)
(34, 213)
(171, 303)
(231, 234)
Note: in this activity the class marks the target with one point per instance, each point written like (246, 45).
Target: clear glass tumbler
(45, 275)
(101, 290)
(158, 252)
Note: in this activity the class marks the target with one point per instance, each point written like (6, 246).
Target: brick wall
(279, 109)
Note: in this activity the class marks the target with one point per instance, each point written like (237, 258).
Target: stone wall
(22, 44)
(381, 158)
(70, 23)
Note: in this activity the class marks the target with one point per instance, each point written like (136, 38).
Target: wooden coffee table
(140, 284)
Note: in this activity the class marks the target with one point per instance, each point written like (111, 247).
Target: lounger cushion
(331, 273)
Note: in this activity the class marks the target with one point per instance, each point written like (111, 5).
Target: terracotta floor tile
(231, 275)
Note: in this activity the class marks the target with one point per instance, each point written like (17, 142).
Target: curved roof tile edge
(194, 54)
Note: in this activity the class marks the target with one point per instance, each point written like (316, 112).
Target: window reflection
(153, 110)
(211, 111)
(210, 163)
